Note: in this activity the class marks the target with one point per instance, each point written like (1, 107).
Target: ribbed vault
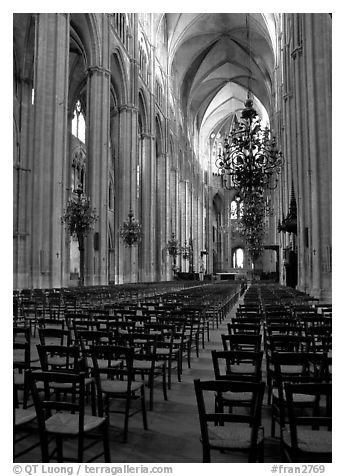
(213, 59)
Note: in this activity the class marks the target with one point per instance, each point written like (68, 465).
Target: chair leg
(93, 398)
(269, 390)
(106, 447)
(164, 378)
(179, 366)
(100, 404)
(197, 345)
(80, 448)
(180, 359)
(273, 426)
(59, 449)
(44, 448)
(188, 353)
(169, 373)
(261, 454)
(143, 407)
(206, 454)
(125, 431)
(151, 384)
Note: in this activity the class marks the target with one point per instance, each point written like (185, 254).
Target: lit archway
(237, 258)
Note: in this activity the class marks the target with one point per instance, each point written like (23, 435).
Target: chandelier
(250, 155)
(79, 219)
(130, 230)
(252, 161)
(173, 249)
(186, 251)
(252, 224)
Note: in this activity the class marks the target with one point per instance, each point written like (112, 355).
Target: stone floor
(173, 434)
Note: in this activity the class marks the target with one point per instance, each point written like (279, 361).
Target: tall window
(78, 123)
(78, 148)
(78, 167)
(122, 27)
(236, 208)
(159, 93)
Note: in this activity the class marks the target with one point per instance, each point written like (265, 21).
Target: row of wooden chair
(298, 372)
(115, 364)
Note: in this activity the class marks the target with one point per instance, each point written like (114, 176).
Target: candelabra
(130, 230)
(173, 249)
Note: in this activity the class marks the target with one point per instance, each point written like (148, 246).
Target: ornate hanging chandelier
(250, 155)
(252, 225)
(187, 253)
(173, 249)
(130, 230)
(251, 159)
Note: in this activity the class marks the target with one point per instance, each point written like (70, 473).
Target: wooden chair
(21, 360)
(117, 382)
(85, 339)
(184, 328)
(24, 418)
(294, 367)
(230, 431)
(54, 336)
(248, 328)
(146, 363)
(55, 307)
(171, 343)
(59, 358)
(287, 342)
(66, 417)
(321, 336)
(246, 319)
(238, 366)
(244, 342)
(29, 311)
(194, 326)
(309, 438)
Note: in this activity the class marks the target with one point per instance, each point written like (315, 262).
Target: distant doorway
(237, 258)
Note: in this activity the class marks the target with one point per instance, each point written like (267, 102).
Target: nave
(173, 433)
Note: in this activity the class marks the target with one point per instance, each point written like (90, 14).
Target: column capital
(127, 107)
(297, 50)
(146, 135)
(287, 96)
(98, 69)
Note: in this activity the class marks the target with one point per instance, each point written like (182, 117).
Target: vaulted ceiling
(214, 58)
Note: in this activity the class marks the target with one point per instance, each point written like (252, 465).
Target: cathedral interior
(159, 153)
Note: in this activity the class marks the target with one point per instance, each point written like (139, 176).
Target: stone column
(97, 146)
(22, 184)
(299, 167)
(283, 200)
(50, 148)
(148, 231)
(162, 216)
(166, 218)
(126, 183)
(318, 93)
